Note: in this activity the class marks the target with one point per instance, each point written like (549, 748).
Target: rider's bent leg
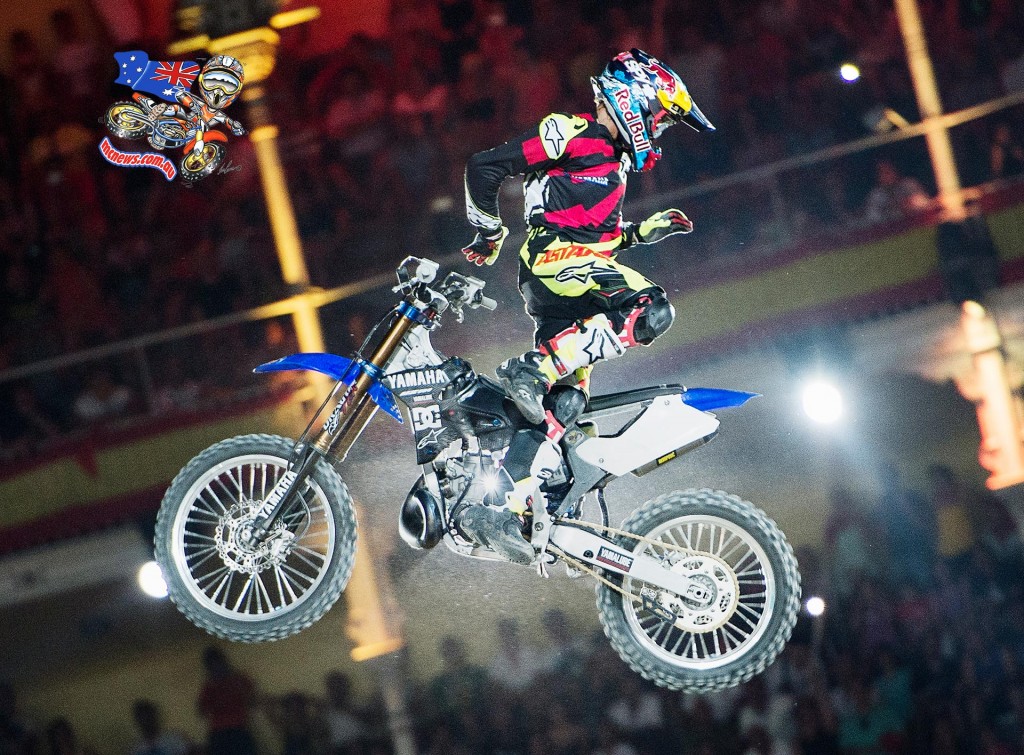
(532, 458)
(638, 319)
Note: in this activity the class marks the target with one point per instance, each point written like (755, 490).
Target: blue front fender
(340, 368)
(708, 399)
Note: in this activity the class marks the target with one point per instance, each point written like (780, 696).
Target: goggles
(221, 79)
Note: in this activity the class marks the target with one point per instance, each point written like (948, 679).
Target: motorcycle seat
(623, 398)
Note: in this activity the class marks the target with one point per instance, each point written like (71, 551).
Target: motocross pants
(587, 307)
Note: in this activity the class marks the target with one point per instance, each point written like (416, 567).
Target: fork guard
(340, 368)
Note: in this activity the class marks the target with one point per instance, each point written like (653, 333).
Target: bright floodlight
(849, 72)
(151, 580)
(823, 402)
(815, 606)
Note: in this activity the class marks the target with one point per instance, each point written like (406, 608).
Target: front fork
(341, 429)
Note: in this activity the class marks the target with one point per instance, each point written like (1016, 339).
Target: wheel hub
(709, 601)
(239, 550)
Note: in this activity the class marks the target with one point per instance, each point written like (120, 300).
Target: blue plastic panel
(340, 368)
(707, 399)
(328, 364)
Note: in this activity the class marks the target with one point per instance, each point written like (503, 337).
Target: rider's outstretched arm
(484, 173)
(657, 227)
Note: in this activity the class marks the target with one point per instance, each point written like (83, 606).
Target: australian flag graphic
(156, 77)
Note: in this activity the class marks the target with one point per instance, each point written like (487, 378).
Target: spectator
(155, 741)
(849, 536)
(460, 685)
(1007, 153)
(894, 196)
(767, 713)
(33, 82)
(345, 731)
(102, 399)
(515, 665)
(949, 499)
(62, 740)
(76, 62)
(16, 738)
(24, 423)
(611, 742)
(566, 656)
(909, 525)
(225, 703)
(869, 727)
(637, 712)
(300, 724)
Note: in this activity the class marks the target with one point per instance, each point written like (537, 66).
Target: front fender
(340, 368)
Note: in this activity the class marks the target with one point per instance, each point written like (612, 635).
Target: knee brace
(651, 315)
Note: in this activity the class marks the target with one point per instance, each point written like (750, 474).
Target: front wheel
(237, 587)
(740, 614)
(197, 165)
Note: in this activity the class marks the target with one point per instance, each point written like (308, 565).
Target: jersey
(575, 184)
(575, 180)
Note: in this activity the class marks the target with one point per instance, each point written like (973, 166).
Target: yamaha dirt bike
(697, 590)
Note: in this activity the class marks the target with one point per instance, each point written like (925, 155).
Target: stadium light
(815, 606)
(849, 72)
(151, 580)
(822, 402)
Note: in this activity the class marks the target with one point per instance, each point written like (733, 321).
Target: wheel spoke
(211, 547)
(732, 565)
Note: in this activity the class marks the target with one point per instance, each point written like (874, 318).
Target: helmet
(645, 97)
(220, 81)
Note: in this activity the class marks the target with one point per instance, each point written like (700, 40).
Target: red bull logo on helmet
(633, 121)
(668, 81)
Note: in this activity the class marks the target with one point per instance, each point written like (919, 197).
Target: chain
(581, 566)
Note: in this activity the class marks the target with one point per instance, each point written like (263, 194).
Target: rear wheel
(737, 620)
(238, 587)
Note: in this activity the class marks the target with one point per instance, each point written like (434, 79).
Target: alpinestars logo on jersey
(553, 136)
(585, 272)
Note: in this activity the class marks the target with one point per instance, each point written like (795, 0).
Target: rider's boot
(529, 378)
(500, 529)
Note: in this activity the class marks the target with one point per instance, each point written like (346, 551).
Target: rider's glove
(657, 227)
(237, 129)
(485, 247)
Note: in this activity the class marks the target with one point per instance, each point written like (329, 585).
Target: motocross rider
(586, 305)
(220, 82)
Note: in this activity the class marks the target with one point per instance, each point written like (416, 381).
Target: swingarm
(578, 542)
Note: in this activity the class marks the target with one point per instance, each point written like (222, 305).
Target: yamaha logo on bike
(174, 116)
(620, 561)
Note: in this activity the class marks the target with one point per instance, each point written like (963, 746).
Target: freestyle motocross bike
(697, 590)
(135, 120)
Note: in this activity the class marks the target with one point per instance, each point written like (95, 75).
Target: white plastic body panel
(667, 424)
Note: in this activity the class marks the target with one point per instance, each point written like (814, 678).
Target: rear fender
(709, 399)
(339, 368)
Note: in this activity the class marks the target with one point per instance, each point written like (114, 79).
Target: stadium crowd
(375, 139)
(920, 650)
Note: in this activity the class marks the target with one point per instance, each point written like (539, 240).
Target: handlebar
(455, 291)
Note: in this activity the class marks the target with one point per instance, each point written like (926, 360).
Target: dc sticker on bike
(193, 121)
